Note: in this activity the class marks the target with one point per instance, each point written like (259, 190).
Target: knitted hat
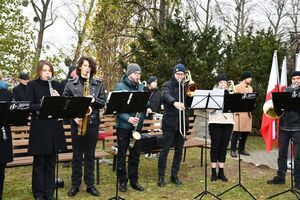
(151, 79)
(295, 73)
(133, 67)
(24, 76)
(245, 75)
(179, 68)
(222, 77)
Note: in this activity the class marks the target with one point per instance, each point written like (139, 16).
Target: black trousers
(241, 137)
(84, 151)
(284, 138)
(123, 136)
(43, 176)
(220, 137)
(169, 138)
(2, 177)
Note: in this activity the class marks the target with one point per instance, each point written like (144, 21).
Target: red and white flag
(283, 77)
(268, 129)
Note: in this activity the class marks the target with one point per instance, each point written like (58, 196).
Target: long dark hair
(39, 68)
(92, 65)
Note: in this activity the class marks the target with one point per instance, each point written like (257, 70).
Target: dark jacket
(6, 153)
(74, 88)
(19, 92)
(290, 121)
(122, 119)
(169, 95)
(155, 100)
(46, 135)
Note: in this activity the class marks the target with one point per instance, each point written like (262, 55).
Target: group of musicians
(47, 138)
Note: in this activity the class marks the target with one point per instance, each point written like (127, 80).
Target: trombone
(189, 91)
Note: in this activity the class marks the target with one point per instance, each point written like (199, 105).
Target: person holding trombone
(174, 124)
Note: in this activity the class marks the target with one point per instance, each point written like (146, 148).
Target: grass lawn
(18, 180)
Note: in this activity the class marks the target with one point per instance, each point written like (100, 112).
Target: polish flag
(283, 77)
(268, 128)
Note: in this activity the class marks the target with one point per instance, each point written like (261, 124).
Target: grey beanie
(133, 67)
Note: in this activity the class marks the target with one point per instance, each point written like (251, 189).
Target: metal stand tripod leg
(205, 192)
(117, 197)
(56, 187)
(292, 189)
(239, 184)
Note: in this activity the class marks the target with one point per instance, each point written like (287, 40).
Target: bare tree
(293, 10)
(235, 15)
(195, 7)
(45, 16)
(275, 19)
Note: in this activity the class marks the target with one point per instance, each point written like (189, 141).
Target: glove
(178, 105)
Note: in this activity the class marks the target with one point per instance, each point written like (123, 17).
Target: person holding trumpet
(46, 136)
(289, 128)
(85, 131)
(220, 127)
(173, 93)
(126, 123)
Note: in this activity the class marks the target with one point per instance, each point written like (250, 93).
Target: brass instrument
(181, 113)
(269, 110)
(191, 85)
(231, 87)
(135, 134)
(82, 123)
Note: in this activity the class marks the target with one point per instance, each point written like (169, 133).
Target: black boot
(277, 180)
(213, 175)
(221, 175)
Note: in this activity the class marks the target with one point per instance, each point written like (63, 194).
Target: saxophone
(82, 124)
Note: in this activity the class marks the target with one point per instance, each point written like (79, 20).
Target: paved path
(262, 158)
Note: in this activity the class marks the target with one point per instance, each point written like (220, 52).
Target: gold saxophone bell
(269, 110)
(191, 85)
(135, 134)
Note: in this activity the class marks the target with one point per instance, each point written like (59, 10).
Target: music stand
(238, 103)
(54, 107)
(207, 99)
(287, 101)
(124, 102)
(14, 113)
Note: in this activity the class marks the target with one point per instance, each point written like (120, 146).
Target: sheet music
(215, 100)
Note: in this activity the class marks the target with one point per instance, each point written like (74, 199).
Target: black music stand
(63, 107)
(287, 101)
(238, 103)
(14, 113)
(207, 99)
(123, 102)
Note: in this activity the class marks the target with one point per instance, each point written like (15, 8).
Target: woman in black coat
(46, 135)
(5, 140)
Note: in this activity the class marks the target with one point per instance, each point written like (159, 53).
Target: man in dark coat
(289, 130)
(19, 92)
(170, 125)
(5, 138)
(155, 98)
(125, 124)
(84, 146)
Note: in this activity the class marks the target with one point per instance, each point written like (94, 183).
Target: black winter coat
(290, 121)
(46, 135)
(155, 100)
(169, 95)
(6, 153)
(74, 88)
(19, 92)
